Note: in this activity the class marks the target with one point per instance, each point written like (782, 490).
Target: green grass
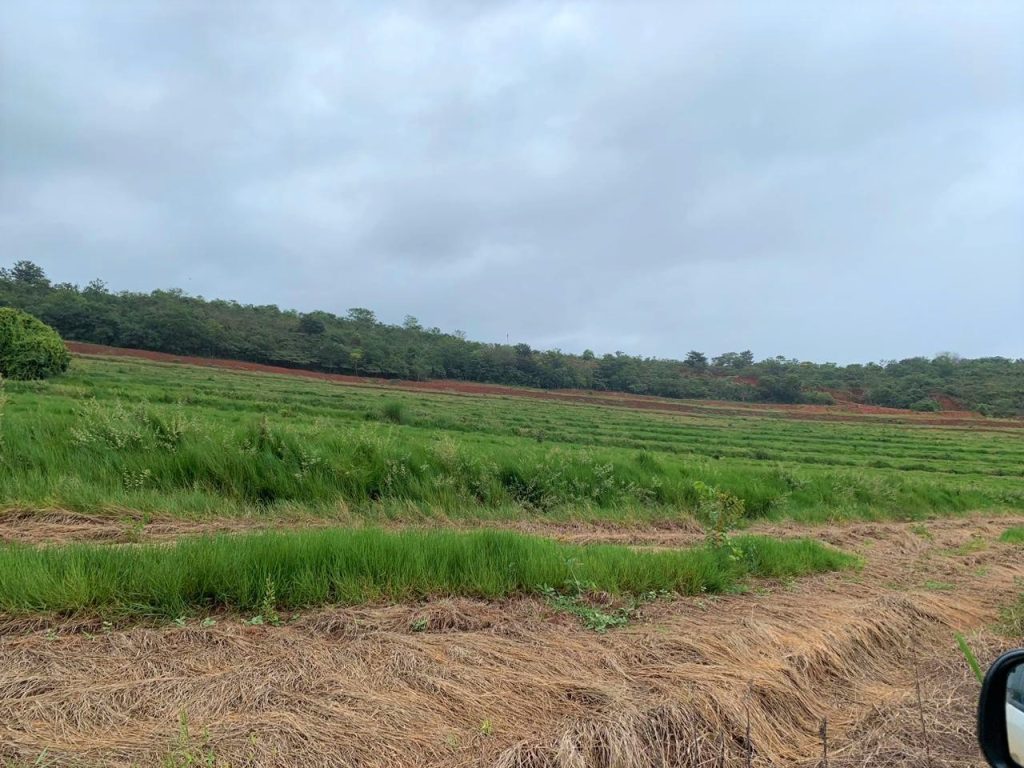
(300, 569)
(1012, 619)
(1013, 535)
(116, 435)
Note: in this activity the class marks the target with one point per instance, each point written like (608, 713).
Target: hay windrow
(504, 684)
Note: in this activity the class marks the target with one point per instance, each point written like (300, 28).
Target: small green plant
(419, 625)
(972, 660)
(486, 728)
(576, 600)
(596, 619)
(939, 586)
(922, 530)
(268, 606)
(721, 513)
(135, 526)
(972, 545)
(208, 622)
(186, 753)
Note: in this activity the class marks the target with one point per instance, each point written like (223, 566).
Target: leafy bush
(29, 349)
(816, 397)
(927, 405)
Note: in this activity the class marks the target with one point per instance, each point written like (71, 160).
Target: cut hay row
(299, 569)
(508, 684)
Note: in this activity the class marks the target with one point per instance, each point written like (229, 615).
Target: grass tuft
(267, 572)
(1013, 535)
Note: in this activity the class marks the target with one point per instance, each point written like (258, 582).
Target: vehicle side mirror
(1001, 712)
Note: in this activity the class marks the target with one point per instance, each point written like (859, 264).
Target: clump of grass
(1012, 619)
(921, 530)
(393, 411)
(1013, 535)
(316, 567)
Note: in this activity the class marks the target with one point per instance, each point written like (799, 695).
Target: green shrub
(29, 349)
(816, 397)
(927, 405)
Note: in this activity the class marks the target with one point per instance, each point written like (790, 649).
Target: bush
(927, 404)
(29, 349)
(816, 397)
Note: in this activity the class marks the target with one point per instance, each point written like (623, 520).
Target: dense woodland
(172, 321)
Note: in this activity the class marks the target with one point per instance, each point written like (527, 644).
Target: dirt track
(842, 411)
(513, 684)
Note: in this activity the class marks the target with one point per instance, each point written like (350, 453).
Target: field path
(514, 684)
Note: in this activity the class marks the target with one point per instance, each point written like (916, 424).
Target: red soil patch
(843, 411)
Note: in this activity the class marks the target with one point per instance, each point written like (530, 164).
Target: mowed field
(221, 567)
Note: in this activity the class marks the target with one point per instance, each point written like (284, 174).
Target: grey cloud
(833, 181)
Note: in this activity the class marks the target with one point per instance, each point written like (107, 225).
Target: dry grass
(511, 684)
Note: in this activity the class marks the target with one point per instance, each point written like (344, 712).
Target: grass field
(414, 628)
(119, 435)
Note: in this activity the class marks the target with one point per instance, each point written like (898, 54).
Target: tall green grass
(116, 435)
(1013, 535)
(307, 568)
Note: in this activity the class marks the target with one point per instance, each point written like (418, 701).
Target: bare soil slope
(513, 684)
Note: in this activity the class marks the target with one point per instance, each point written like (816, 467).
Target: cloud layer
(827, 181)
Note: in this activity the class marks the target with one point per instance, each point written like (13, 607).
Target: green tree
(27, 274)
(311, 325)
(362, 316)
(696, 361)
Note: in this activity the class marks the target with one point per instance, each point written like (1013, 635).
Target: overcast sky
(824, 180)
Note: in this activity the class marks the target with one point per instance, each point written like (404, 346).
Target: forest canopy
(358, 343)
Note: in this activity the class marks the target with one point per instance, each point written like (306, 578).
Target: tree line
(358, 343)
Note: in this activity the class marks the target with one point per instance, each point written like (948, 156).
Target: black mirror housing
(992, 725)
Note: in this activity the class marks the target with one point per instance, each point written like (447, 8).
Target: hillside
(173, 322)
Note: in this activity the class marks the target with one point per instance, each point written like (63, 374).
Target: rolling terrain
(696, 572)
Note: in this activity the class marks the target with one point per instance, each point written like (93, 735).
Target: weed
(969, 657)
(721, 512)
(972, 545)
(186, 753)
(922, 530)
